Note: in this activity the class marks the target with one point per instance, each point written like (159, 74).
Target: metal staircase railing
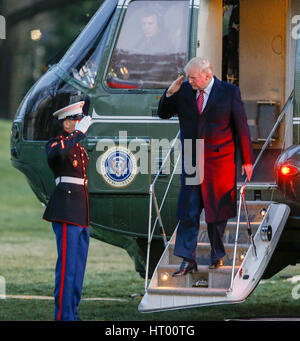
(158, 209)
(242, 200)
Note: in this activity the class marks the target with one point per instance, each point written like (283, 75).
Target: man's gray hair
(203, 65)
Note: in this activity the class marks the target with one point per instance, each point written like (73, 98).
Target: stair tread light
(242, 256)
(164, 276)
(263, 212)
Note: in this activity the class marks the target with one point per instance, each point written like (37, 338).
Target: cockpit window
(152, 45)
(83, 59)
(50, 94)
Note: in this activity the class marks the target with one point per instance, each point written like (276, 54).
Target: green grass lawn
(28, 256)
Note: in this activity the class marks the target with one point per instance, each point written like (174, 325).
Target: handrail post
(160, 220)
(149, 236)
(152, 198)
(249, 226)
(236, 238)
(242, 189)
(167, 190)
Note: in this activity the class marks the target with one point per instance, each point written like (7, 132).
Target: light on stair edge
(164, 276)
(242, 255)
(263, 212)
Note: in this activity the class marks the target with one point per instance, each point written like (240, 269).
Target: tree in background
(38, 32)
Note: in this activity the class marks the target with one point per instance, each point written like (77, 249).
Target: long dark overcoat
(223, 128)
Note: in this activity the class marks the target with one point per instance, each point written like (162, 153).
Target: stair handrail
(158, 209)
(242, 200)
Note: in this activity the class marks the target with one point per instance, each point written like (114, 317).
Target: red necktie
(200, 101)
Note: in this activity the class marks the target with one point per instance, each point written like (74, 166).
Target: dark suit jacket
(224, 129)
(69, 202)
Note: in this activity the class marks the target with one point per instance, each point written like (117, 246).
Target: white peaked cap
(70, 110)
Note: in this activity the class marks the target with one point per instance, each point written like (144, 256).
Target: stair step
(189, 291)
(218, 278)
(201, 268)
(253, 208)
(230, 246)
(232, 224)
(230, 232)
(203, 254)
(256, 205)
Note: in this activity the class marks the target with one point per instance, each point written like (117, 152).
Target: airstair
(209, 287)
(250, 240)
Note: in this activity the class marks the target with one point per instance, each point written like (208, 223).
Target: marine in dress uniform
(68, 209)
(212, 111)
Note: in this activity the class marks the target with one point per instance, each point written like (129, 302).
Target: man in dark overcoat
(211, 114)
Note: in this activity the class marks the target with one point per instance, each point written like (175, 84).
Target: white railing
(242, 200)
(158, 209)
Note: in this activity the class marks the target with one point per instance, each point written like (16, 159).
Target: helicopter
(120, 65)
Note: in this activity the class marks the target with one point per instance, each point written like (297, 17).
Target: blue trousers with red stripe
(72, 249)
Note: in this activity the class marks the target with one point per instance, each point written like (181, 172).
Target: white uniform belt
(69, 179)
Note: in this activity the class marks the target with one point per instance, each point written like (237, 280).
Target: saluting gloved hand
(83, 124)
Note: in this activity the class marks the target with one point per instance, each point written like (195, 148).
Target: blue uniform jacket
(69, 202)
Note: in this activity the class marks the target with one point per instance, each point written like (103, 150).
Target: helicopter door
(261, 73)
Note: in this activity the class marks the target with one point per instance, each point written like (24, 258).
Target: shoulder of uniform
(75, 132)
(53, 142)
(57, 138)
(53, 139)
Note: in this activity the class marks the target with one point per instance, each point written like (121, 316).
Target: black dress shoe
(216, 264)
(185, 268)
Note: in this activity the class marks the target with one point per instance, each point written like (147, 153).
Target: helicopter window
(86, 70)
(152, 45)
(49, 95)
(83, 59)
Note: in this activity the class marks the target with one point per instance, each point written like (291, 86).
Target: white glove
(83, 124)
